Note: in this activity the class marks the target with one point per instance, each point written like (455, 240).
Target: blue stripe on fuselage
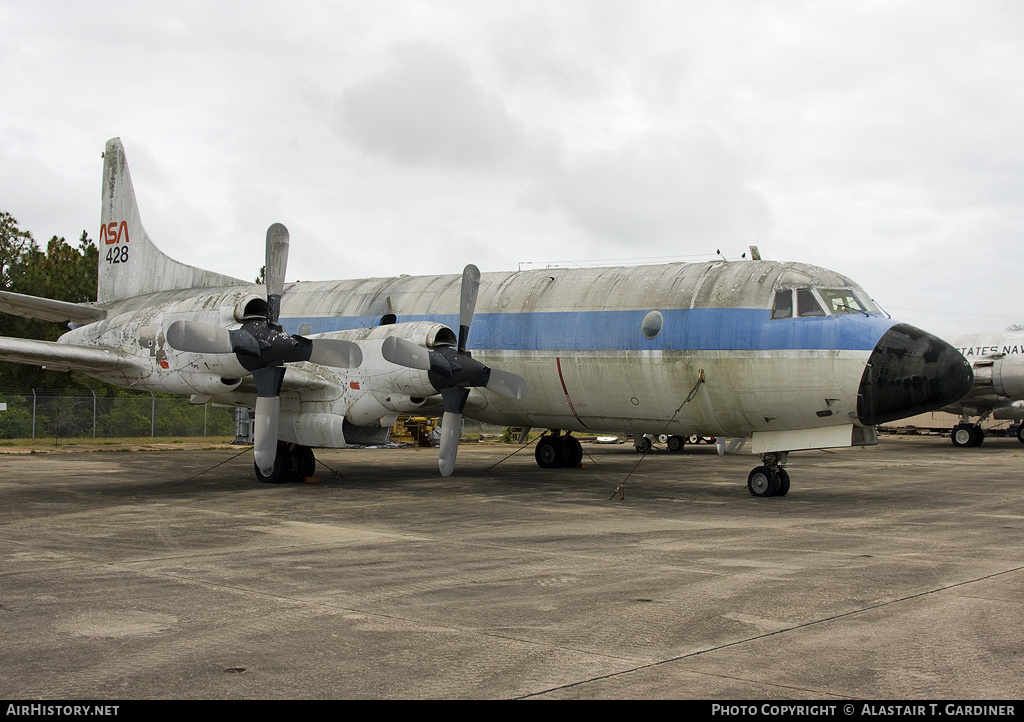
(699, 329)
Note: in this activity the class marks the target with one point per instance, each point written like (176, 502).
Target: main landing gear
(772, 479)
(555, 451)
(967, 435)
(294, 462)
(675, 444)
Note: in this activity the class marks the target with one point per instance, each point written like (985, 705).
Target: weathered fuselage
(719, 348)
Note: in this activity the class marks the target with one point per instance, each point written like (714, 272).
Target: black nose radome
(910, 372)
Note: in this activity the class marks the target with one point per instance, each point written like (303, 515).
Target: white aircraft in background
(998, 390)
(797, 356)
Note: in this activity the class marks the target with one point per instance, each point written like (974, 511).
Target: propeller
(453, 371)
(263, 347)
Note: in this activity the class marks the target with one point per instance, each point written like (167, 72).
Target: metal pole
(93, 414)
(33, 413)
(206, 406)
(152, 417)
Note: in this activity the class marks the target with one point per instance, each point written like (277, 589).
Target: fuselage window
(783, 306)
(807, 304)
(651, 324)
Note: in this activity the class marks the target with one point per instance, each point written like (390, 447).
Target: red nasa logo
(111, 235)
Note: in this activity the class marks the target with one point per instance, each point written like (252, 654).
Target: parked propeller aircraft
(797, 356)
(998, 389)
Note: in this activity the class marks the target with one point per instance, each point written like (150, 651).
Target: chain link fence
(47, 414)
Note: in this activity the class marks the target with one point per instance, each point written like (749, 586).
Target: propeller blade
(451, 430)
(454, 398)
(470, 288)
(405, 353)
(335, 352)
(506, 383)
(268, 409)
(196, 337)
(277, 265)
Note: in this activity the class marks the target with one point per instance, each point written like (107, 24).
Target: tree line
(73, 404)
(61, 271)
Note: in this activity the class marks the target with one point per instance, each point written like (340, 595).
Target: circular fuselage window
(650, 327)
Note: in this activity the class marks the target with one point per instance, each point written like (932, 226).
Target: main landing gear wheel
(558, 452)
(642, 444)
(783, 483)
(1020, 433)
(967, 435)
(762, 481)
(574, 451)
(306, 462)
(551, 453)
(676, 443)
(292, 463)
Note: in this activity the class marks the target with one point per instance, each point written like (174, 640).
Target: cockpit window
(807, 304)
(783, 306)
(842, 300)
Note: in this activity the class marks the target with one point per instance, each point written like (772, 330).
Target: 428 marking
(117, 254)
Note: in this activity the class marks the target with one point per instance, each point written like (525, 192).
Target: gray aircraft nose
(910, 372)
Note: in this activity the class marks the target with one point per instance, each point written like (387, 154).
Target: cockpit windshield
(836, 301)
(842, 300)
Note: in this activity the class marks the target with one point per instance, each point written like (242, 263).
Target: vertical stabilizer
(129, 263)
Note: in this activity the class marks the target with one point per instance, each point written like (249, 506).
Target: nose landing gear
(772, 479)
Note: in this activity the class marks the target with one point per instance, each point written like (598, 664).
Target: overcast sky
(884, 140)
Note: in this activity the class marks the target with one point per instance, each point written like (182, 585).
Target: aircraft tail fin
(130, 264)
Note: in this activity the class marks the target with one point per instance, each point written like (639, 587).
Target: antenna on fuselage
(754, 255)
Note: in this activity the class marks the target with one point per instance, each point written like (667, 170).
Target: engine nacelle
(312, 429)
(1003, 374)
(423, 333)
(369, 410)
(1008, 376)
(210, 384)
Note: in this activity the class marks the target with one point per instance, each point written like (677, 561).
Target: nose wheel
(772, 479)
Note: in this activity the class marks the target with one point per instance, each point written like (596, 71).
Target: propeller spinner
(263, 347)
(453, 371)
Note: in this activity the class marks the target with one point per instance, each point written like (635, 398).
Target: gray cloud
(427, 108)
(657, 189)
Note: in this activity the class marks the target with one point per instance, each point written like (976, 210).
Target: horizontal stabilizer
(62, 356)
(47, 309)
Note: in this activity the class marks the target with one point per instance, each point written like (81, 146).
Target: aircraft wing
(47, 309)
(62, 356)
